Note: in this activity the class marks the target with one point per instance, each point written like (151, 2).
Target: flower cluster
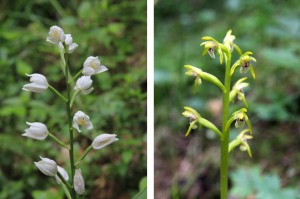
(224, 50)
(39, 131)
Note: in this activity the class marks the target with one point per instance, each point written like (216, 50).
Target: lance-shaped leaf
(241, 140)
(208, 124)
(245, 63)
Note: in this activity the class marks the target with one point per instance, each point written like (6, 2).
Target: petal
(64, 174)
(33, 87)
(104, 140)
(75, 126)
(89, 126)
(88, 71)
(88, 91)
(73, 47)
(100, 69)
(79, 182)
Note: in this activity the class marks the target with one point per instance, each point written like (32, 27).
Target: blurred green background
(116, 32)
(189, 167)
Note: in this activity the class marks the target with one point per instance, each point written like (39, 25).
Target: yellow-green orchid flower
(228, 42)
(240, 118)
(245, 63)
(210, 46)
(195, 118)
(193, 115)
(237, 90)
(198, 74)
(241, 140)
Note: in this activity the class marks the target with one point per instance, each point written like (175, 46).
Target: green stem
(86, 151)
(74, 97)
(225, 140)
(77, 75)
(71, 151)
(55, 139)
(64, 181)
(57, 93)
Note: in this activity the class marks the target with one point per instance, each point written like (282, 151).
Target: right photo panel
(226, 99)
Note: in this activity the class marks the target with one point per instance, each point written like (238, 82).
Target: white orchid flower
(69, 42)
(38, 83)
(92, 66)
(47, 166)
(104, 140)
(56, 35)
(36, 131)
(80, 118)
(78, 182)
(84, 84)
(64, 174)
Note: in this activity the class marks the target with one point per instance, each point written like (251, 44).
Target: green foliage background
(116, 32)
(270, 29)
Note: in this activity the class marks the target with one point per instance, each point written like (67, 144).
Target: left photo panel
(73, 99)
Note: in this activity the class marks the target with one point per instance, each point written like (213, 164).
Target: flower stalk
(224, 50)
(225, 140)
(39, 131)
(68, 108)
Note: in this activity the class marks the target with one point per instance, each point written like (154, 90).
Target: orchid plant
(73, 186)
(224, 50)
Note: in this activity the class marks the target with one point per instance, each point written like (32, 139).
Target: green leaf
(141, 195)
(143, 183)
(49, 194)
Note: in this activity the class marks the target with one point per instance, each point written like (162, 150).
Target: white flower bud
(84, 84)
(64, 174)
(92, 66)
(47, 166)
(69, 39)
(38, 83)
(36, 131)
(80, 118)
(69, 42)
(56, 35)
(78, 182)
(104, 140)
